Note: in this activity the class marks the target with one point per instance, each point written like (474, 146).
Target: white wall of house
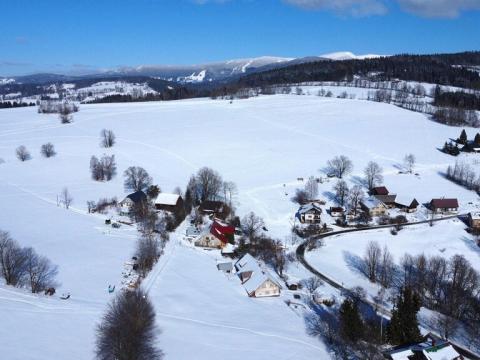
(268, 288)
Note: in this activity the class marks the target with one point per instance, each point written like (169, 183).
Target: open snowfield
(262, 144)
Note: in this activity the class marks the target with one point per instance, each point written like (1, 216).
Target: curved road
(300, 252)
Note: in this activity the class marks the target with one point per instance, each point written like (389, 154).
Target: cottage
(216, 235)
(474, 220)
(379, 190)
(406, 204)
(169, 202)
(135, 198)
(444, 205)
(256, 280)
(388, 200)
(336, 211)
(309, 213)
(373, 206)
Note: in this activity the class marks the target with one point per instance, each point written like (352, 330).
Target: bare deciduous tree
(12, 260)
(136, 179)
(312, 284)
(386, 268)
(409, 161)
(22, 153)
(355, 197)
(65, 112)
(373, 174)
(311, 188)
(340, 166)
(341, 191)
(252, 226)
(127, 330)
(229, 192)
(372, 260)
(103, 169)
(48, 150)
(209, 184)
(148, 251)
(40, 271)
(107, 138)
(66, 198)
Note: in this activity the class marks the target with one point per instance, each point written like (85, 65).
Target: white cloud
(439, 8)
(349, 7)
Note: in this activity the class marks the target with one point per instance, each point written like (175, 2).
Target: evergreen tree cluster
(403, 327)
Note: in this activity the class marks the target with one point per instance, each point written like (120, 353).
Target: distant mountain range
(211, 72)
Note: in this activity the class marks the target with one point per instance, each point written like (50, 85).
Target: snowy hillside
(347, 55)
(263, 144)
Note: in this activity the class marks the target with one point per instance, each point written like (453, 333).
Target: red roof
(444, 203)
(380, 190)
(221, 231)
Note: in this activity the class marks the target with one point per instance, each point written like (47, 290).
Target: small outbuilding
(169, 202)
(474, 220)
(336, 211)
(406, 204)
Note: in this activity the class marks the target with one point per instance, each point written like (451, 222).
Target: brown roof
(386, 199)
(444, 203)
(380, 190)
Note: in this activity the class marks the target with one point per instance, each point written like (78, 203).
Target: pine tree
(477, 139)
(351, 324)
(463, 137)
(403, 327)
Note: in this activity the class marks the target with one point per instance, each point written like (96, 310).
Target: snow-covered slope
(262, 144)
(347, 55)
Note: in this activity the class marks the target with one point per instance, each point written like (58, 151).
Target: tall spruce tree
(403, 327)
(351, 324)
(463, 137)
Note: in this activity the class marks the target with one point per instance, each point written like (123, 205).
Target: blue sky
(84, 35)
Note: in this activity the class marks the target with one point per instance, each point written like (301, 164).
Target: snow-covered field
(262, 144)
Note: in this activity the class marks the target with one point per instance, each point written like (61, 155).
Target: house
(379, 190)
(216, 235)
(214, 208)
(374, 206)
(406, 204)
(474, 220)
(226, 267)
(336, 211)
(256, 280)
(135, 198)
(169, 202)
(388, 200)
(444, 205)
(431, 347)
(309, 213)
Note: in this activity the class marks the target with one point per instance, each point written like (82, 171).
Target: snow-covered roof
(402, 355)
(228, 249)
(405, 200)
(308, 207)
(445, 353)
(475, 215)
(259, 275)
(371, 202)
(167, 199)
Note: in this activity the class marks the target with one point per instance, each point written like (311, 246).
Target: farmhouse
(256, 281)
(387, 200)
(474, 220)
(135, 198)
(216, 235)
(406, 204)
(336, 211)
(309, 213)
(444, 205)
(169, 202)
(379, 190)
(373, 206)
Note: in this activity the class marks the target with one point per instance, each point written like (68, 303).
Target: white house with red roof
(215, 235)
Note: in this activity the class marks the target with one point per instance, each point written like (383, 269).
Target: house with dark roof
(309, 214)
(135, 198)
(214, 208)
(388, 200)
(169, 202)
(444, 205)
(379, 190)
(406, 204)
(336, 211)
